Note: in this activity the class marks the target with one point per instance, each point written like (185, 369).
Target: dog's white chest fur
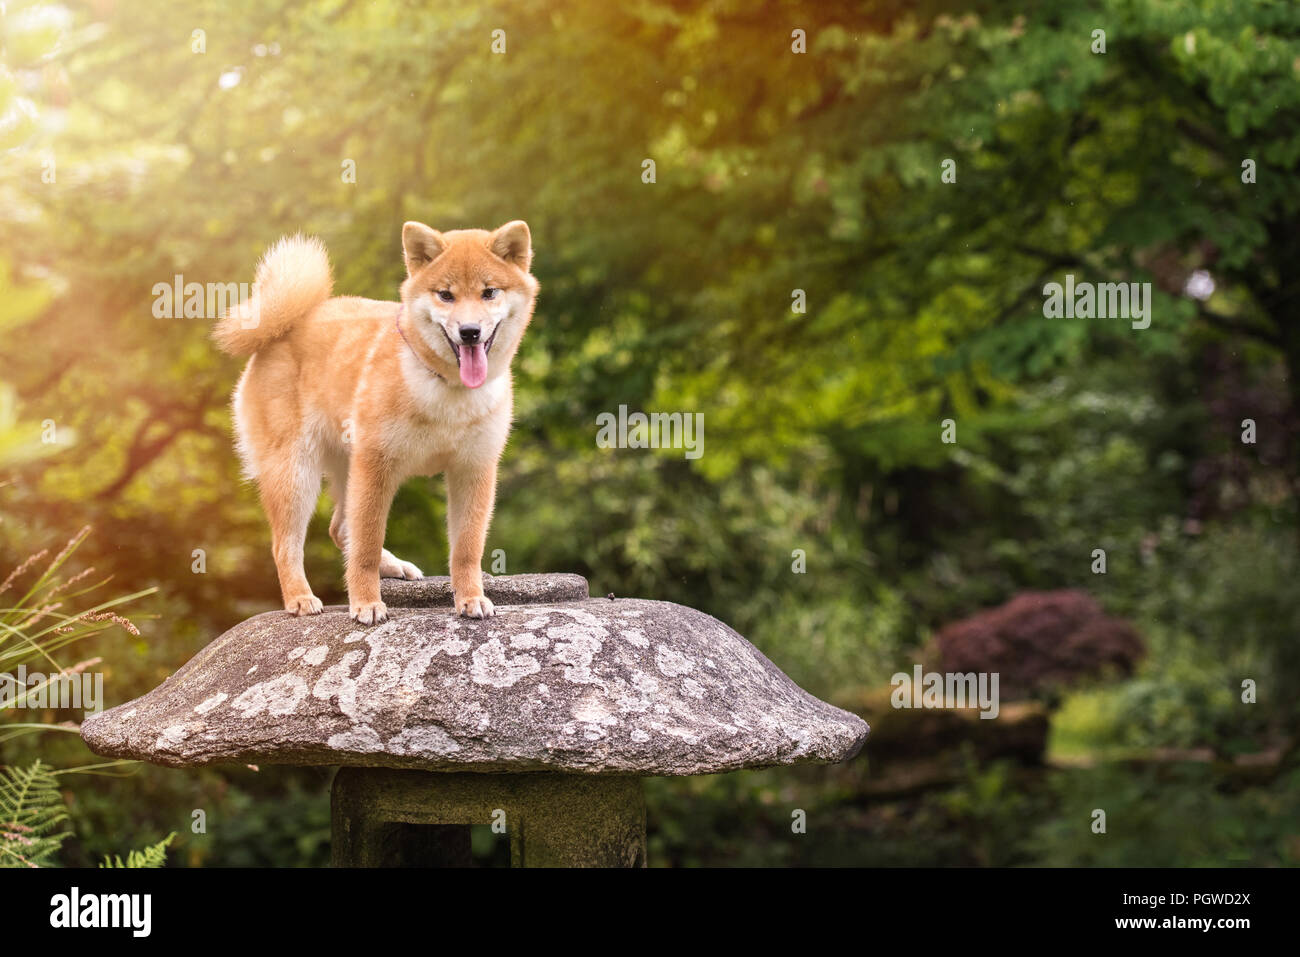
(450, 423)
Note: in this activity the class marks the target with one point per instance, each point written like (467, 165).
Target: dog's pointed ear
(421, 245)
(513, 243)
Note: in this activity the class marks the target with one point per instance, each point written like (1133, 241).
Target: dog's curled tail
(292, 279)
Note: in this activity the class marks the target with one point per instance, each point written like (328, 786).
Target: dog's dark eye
(446, 295)
(490, 293)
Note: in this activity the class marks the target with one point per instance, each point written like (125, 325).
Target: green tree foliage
(144, 146)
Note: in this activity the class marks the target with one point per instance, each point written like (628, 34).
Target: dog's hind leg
(390, 566)
(338, 478)
(289, 491)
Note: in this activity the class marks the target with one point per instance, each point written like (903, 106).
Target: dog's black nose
(469, 334)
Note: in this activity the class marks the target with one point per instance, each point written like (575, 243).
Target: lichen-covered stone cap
(592, 685)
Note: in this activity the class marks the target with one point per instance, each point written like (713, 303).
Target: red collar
(397, 324)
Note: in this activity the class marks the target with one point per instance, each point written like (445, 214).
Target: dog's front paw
(475, 606)
(307, 604)
(369, 612)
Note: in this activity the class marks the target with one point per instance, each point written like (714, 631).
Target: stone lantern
(541, 720)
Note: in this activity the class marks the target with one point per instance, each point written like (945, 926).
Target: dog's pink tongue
(473, 365)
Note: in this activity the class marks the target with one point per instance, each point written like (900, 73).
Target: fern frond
(155, 855)
(31, 817)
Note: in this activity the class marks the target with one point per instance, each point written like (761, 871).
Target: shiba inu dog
(369, 393)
